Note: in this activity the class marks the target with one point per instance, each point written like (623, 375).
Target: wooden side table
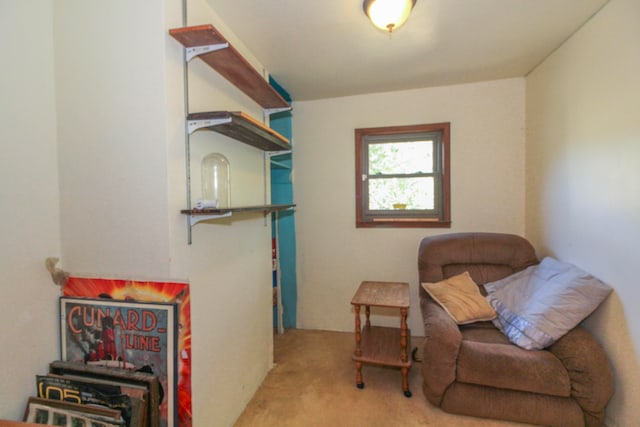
(378, 345)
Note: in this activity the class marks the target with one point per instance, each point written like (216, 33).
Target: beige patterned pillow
(460, 297)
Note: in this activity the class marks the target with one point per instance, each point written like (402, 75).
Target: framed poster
(149, 291)
(127, 335)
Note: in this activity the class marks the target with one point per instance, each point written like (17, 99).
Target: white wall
(92, 102)
(583, 177)
(28, 200)
(111, 113)
(487, 178)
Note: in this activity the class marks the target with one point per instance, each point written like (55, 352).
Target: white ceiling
(328, 48)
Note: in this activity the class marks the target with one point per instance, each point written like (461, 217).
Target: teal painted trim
(282, 192)
(281, 123)
(282, 91)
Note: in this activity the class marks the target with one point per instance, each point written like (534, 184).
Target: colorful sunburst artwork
(149, 291)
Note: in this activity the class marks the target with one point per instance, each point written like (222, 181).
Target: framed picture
(149, 291)
(62, 413)
(126, 336)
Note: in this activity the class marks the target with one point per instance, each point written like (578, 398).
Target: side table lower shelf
(380, 345)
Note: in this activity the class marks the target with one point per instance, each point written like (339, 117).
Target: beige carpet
(313, 384)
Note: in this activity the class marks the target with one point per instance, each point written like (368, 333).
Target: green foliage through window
(387, 189)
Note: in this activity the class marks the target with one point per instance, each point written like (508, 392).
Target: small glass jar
(215, 180)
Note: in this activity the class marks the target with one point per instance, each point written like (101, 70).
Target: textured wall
(583, 175)
(487, 181)
(30, 226)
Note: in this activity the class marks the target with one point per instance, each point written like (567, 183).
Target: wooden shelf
(241, 127)
(227, 61)
(380, 345)
(262, 208)
(206, 42)
(199, 215)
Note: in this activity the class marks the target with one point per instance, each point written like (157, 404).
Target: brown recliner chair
(475, 370)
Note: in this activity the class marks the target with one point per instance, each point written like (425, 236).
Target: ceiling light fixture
(388, 15)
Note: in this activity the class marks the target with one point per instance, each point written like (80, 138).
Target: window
(402, 176)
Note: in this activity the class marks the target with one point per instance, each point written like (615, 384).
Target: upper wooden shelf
(239, 126)
(227, 61)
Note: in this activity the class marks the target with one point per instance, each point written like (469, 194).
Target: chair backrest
(486, 256)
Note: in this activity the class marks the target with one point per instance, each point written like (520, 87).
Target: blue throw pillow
(540, 304)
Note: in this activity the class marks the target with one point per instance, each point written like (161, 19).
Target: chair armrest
(441, 346)
(589, 371)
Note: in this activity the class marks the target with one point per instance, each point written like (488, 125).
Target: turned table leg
(356, 308)
(359, 381)
(403, 349)
(405, 382)
(403, 334)
(358, 351)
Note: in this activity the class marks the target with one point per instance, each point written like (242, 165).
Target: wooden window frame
(400, 219)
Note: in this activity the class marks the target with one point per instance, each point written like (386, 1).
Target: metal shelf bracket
(194, 125)
(194, 219)
(277, 153)
(269, 111)
(192, 52)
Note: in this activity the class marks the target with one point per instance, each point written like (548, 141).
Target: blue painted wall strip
(282, 193)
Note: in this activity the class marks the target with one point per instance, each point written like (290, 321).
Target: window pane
(401, 157)
(59, 419)
(42, 416)
(415, 193)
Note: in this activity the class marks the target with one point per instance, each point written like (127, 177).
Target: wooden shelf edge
(260, 208)
(230, 64)
(242, 127)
